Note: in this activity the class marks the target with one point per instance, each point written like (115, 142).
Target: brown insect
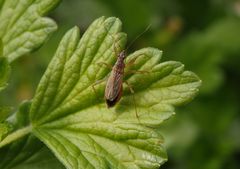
(114, 87)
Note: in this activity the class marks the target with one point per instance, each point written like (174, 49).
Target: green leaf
(42, 159)
(18, 122)
(4, 113)
(4, 130)
(22, 27)
(22, 115)
(5, 127)
(11, 124)
(73, 120)
(28, 152)
(4, 72)
(4, 69)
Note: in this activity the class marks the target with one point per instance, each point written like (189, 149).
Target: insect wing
(114, 86)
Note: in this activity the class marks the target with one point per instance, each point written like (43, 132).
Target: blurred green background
(202, 34)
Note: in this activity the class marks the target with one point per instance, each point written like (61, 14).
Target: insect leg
(132, 91)
(114, 46)
(138, 71)
(131, 62)
(98, 82)
(105, 64)
(116, 49)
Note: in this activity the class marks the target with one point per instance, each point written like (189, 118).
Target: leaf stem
(15, 135)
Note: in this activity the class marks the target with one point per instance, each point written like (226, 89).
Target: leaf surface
(72, 119)
(4, 72)
(27, 152)
(23, 27)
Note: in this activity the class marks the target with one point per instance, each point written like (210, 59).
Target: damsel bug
(114, 85)
(113, 90)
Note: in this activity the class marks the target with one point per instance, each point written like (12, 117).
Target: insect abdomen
(113, 91)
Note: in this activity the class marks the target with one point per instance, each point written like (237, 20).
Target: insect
(114, 87)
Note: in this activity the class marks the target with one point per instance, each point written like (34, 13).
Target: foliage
(68, 116)
(22, 26)
(22, 29)
(201, 34)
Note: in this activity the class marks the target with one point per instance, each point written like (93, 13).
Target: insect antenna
(136, 38)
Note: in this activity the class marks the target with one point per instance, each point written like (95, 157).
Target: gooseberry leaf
(4, 69)
(72, 119)
(5, 127)
(23, 27)
(4, 112)
(4, 72)
(4, 130)
(28, 153)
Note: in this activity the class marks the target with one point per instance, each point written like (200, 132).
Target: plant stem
(15, 136)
